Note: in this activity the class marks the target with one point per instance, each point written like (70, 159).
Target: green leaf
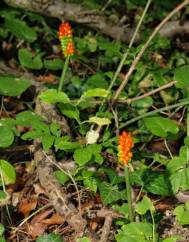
(70, 111)
(83, 239)
(50, 238)
(157, 183)
(8, 172)
(61, 177)
(2, 229)
(13, 86)
(55, 64)
(96, 92)
(145, 205)
(110, 193)
(53, 96)
(181, 75)
(173, 239)
(99, 121)
(47, 141)
(135, 232)
(63, 144)
(27, 118)
(90, 183)
(7, 136)
(143, 103)
(161, 126)
(20, 29)
(82, 156)
(182, 213)
(3, 196)
(180, 180)
(55, 129)
(28, 60)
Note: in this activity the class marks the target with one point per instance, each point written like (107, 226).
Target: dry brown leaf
(54, 219)
(26, 206)
(41, 216)
(35, 230)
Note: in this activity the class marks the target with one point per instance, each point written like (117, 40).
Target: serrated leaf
(99, 121)
(181, 75)
(20, 29)
(6, 136)
(161, 126)
(8, 172)
(28, 60)
(13, 86)
(53, 96)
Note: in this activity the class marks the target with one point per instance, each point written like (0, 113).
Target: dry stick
(138, 57)
(170, 84)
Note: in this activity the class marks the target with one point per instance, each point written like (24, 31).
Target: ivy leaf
(13, 86)
(52, 96)
(8, 172)
(160, 126)
(110, 193)
(20, 29)
(28, 60)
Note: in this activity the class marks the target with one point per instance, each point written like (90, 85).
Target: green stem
(187, 134)
(62, 78)
(129, 199)
(154, 112)
(153, 227)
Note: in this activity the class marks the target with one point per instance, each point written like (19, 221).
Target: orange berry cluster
(66, 40)
(125, 144)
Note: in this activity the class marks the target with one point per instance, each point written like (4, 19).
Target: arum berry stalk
(65, 37)
(124, 155)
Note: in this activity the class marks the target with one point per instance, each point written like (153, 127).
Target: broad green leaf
(70, 111)
(62, 144)
(82, 156)
(110, 193)
(99, 121)
(181, 75)
(28, 60)
(157, 182)
(53, 96)
(55, 64)
(8, 172)
(145, 205)
(96, 92)
(124, 209)
(135, 232)
(50, 238)
(180, 180)
(182, 213)
(143, 103)
(161, 126)
(27, 118)
(13, 86)
(6, 136)
(55, 129)
(61, 177)
(47, 141)
(90, 183)
(20, 29)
